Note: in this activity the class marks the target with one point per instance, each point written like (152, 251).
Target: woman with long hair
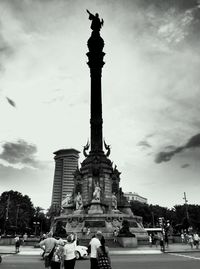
(103, 256)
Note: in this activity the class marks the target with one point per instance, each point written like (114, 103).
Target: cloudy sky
(150, 89)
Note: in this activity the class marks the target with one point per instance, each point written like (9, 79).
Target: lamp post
(17, 215)
(161, 223)
(186, 210)
(7, 211)
(153, 221)
(186, 206)
(36, 224)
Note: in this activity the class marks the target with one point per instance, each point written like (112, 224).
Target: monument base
(128, 242)
(107, 223)
(78, 212)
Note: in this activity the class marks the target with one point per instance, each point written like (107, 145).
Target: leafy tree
(16, 212)
(43, 225)
(53, 211)
(177, 215)
(140, 209)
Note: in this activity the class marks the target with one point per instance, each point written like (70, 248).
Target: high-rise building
(66, 163)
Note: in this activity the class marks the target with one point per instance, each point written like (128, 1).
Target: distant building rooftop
(66, 151)
(133, 196)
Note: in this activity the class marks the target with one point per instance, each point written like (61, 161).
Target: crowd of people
(159, 239)
(59, 253)
(191, 239)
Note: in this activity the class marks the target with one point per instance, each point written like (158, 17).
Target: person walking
(103, 257)
(48, 245)
(190, 240)
(25, 236)
(162, 242)
(94, 244)
(166, 240)
(150, 240)
(115, 234)
(196, 240)
(69, 252)
(182, 238)
(17, 244)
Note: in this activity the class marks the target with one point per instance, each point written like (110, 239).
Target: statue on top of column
(96, 22)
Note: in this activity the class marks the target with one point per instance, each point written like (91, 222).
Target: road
(161, 261)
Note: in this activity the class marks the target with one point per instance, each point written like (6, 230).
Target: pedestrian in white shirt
(196, 240)
(69, 252)
(94, 244)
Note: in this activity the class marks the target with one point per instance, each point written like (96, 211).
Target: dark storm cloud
(165, 156)
(19, 152)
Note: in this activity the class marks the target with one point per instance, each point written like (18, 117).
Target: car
(81, 252)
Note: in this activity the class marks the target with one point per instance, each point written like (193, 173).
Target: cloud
(144, 144)
(6, 49)
(185, 165)
(19, 154)
(165, 156)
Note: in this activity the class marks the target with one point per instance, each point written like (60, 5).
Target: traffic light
(160, 221)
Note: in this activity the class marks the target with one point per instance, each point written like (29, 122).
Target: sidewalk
(173, 248)
(24, 250)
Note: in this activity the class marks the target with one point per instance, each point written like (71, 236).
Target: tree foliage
(180, 216)
(16, 211)
(17, 214)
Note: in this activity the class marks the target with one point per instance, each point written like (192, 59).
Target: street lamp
(17, 215)
(161, 223)
(7, 210)
(36, 224)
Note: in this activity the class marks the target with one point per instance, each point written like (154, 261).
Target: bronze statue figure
(85, 148)
(96, 22)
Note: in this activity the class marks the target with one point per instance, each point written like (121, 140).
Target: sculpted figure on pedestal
(79, 201)
(97, 192)
(114, 201)
(67, 200)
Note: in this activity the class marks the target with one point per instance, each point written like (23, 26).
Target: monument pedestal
(78, 212)
(95, 208)
(116, 211)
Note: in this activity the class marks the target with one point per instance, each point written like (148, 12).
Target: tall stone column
(95, 63)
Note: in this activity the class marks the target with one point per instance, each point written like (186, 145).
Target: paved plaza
(173, 248)
(140, 258)
(176, 256)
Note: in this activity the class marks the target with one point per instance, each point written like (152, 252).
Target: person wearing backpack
(48, 245)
